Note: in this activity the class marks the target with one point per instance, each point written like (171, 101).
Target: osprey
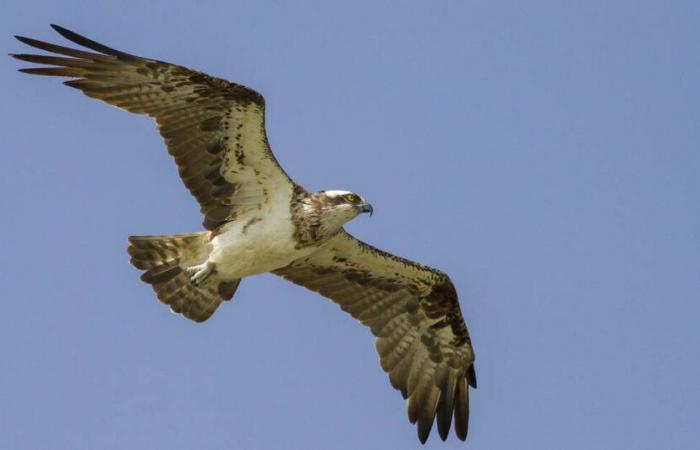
(259, 220)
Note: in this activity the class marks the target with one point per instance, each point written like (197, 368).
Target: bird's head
(339, 207)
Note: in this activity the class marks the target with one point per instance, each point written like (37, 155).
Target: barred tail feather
(164, 260)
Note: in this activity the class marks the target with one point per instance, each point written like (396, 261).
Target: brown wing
(422, 341)
(214, 129)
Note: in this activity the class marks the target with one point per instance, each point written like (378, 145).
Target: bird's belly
(248, 247)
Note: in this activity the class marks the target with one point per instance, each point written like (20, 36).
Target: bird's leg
(200, 273)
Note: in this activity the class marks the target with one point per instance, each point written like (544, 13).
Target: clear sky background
(545, 154)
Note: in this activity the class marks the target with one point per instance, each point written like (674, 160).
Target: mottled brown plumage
(413, 311)
(215, 130)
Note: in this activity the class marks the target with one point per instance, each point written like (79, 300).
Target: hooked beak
(365, 208)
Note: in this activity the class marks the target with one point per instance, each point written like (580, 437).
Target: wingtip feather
(471, 376)
(86, 42)
(461, 413)
(424, 428)
(24, 39)
(423, 438)
(75, 84)
(65, 32)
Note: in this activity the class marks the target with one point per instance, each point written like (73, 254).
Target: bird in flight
(258, 220)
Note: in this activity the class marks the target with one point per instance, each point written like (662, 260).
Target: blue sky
(544, 154)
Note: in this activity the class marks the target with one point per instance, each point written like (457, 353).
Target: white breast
(256, 242)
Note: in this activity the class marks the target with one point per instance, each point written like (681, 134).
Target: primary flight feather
(259, 220)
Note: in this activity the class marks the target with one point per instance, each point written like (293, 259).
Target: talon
(200, 273)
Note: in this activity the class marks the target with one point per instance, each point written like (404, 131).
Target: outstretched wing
(422, 340)
(214, 129)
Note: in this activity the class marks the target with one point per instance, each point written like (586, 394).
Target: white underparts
(258, 241)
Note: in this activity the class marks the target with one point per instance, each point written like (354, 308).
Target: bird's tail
(165, 260)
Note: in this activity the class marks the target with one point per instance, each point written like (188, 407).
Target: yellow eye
(352, 198)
